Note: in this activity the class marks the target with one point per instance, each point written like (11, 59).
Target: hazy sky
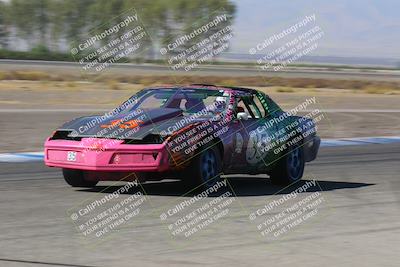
(365, 28)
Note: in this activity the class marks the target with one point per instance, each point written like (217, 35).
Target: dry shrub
(376, 90)
(3, 75)
(30, 75)
(285, 90)
(113, 84)
(113, 81)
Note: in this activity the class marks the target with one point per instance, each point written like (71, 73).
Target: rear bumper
(105, 155)
(311, 147)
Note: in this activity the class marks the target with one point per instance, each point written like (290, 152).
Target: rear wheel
(76, 178)
(205, 168)
(290, 168)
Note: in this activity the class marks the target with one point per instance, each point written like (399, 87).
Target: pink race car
(194, 133)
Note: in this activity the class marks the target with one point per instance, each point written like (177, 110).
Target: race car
(194, 133)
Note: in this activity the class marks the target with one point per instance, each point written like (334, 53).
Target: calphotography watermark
(116, 41)
(113, 133)
(277, 135)
(288, 46)
(96, 219)
(193, 215)
(192, 134)
(201, 135)
(288, 210)
(200, 44)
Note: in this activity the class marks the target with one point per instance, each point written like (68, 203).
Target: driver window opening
(242, 106)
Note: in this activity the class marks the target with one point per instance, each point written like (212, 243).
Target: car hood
(162, 121)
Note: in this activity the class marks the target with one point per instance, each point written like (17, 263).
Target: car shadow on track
(241, 187)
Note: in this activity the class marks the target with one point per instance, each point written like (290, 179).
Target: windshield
(190, 101)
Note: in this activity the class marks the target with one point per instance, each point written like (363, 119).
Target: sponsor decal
(256, 151)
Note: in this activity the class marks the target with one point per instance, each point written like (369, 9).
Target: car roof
(209, 87)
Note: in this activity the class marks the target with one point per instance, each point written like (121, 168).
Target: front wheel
(76, 178)
(205, 169)
(290, 167)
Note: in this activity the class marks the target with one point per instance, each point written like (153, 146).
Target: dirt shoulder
(104, 95)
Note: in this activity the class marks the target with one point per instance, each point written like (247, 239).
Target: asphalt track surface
(357, 224)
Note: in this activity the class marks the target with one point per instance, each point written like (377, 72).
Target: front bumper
(97, 154)
(311, 147)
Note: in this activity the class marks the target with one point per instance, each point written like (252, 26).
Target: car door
(251, 137)
(281, 121)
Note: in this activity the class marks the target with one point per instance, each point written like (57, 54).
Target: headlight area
(64, 135)
(67, 135)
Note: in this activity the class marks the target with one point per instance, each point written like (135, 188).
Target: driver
(219, 104)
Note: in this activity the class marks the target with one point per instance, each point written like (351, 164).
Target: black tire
(76, 178)
(205, 169)
(290, 167)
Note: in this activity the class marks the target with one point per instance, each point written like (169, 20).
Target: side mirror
(242, 116)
